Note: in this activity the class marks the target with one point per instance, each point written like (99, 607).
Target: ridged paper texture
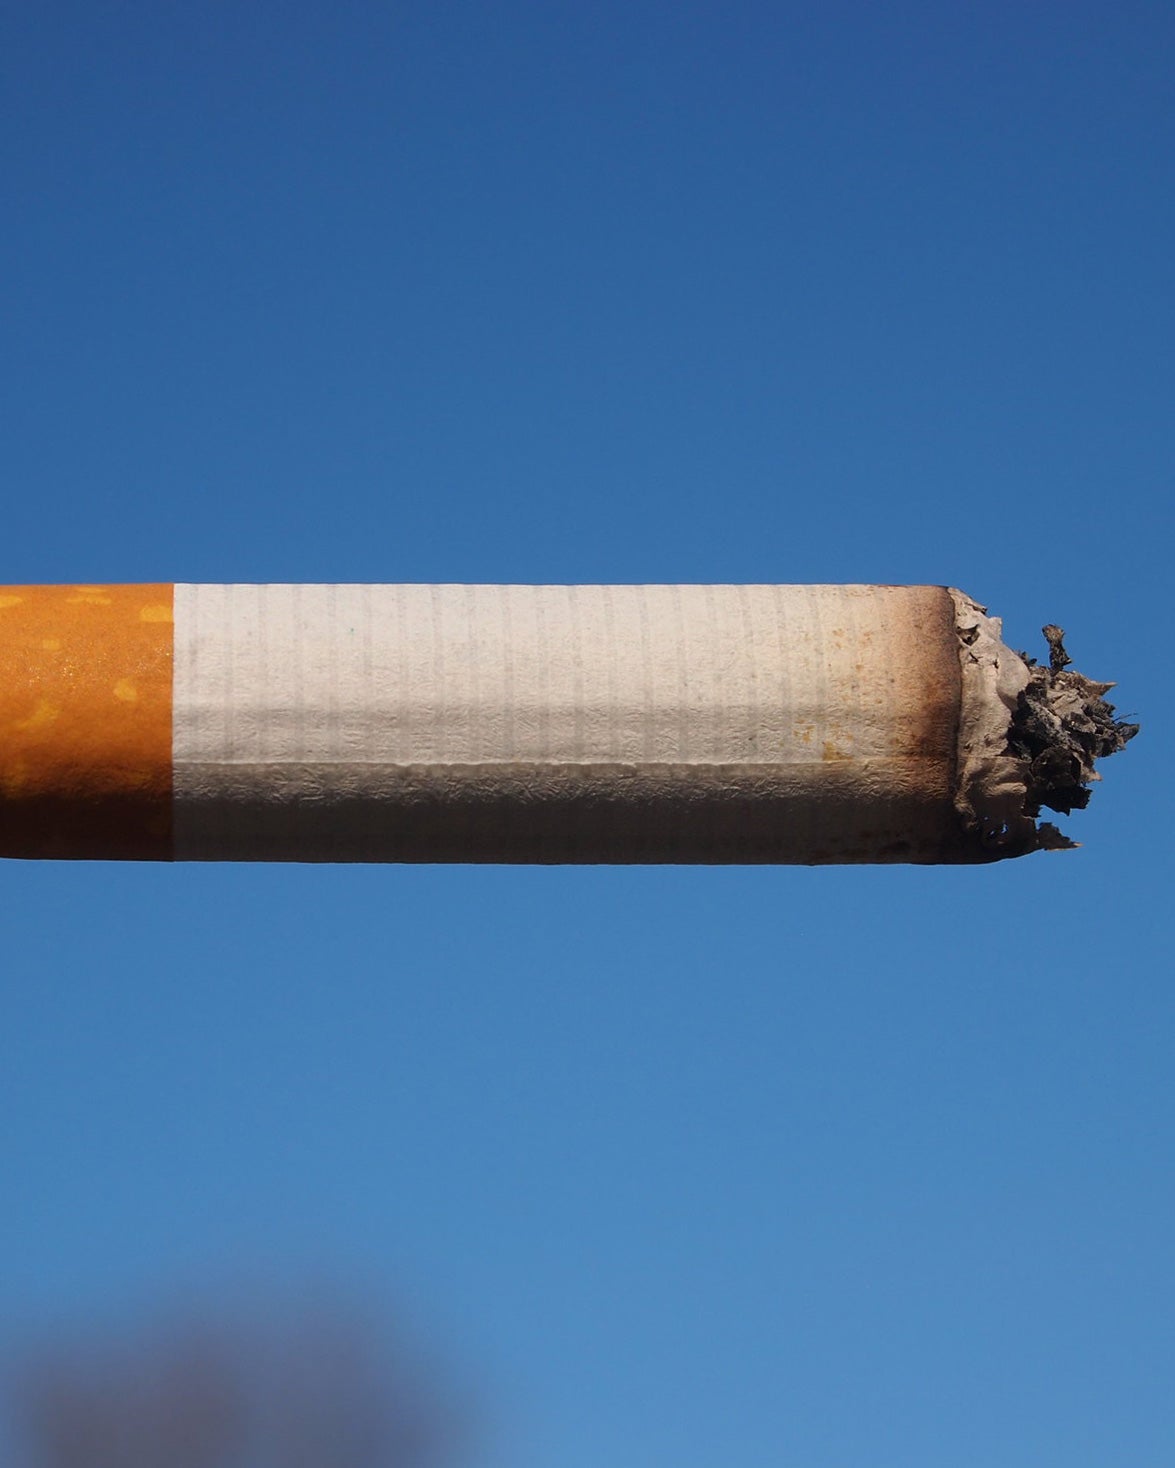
(295, 701)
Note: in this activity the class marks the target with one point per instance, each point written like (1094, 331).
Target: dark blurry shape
(317, 1390)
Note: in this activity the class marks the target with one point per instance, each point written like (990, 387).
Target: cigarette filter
(808, 724)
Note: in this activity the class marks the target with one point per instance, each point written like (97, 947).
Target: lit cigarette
(804, 724)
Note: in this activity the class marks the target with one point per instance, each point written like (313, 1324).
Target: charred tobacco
(1062, 725)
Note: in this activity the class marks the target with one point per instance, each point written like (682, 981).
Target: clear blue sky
(769, 1168)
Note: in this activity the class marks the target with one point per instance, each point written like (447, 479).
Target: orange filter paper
(85, 721)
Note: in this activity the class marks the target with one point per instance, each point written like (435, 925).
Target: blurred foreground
(313, 1389)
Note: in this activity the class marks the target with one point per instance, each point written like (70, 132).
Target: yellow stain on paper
(42, 716)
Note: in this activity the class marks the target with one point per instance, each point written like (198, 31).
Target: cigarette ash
(1029, 737)
(1062, 724)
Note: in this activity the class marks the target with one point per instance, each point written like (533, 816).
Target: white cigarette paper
(802, 724)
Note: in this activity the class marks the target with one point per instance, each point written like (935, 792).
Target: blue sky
(689, 1166)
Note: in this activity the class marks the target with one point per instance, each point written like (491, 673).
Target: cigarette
(715, 724)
